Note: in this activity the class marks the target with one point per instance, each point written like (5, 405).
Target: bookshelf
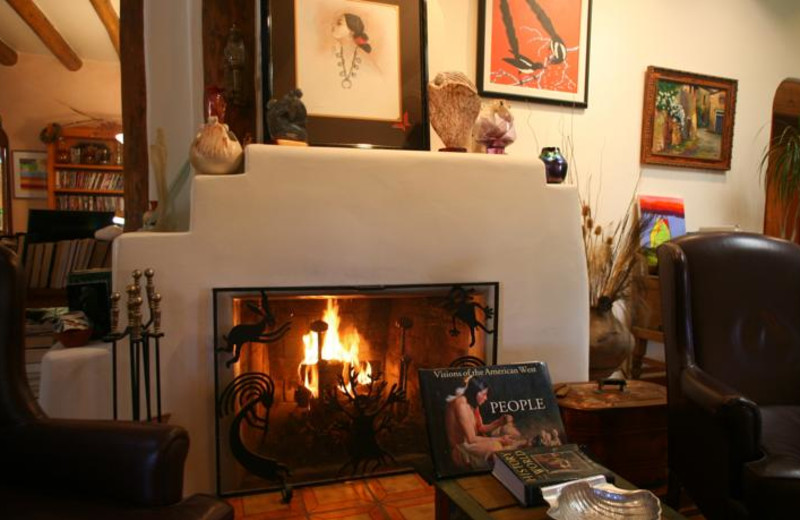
(85, 171)
(57, 243)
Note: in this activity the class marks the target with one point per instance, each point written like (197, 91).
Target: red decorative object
(215, 103)
(74, 338)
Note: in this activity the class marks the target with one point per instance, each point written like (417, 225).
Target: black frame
(339, 292)
(484, 89)
(279, 77)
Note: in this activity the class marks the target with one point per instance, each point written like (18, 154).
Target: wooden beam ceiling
(8, 56)
(107, 15)
(36, 20)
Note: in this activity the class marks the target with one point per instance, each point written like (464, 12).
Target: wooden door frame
(785, 110)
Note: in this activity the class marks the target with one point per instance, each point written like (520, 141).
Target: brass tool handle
(156, 308)
(115, 312)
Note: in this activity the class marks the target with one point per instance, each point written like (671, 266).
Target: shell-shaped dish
(580, 501)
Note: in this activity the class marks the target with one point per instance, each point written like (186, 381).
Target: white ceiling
(76, 20)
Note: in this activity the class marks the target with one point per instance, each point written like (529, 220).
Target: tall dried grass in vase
(614, 263)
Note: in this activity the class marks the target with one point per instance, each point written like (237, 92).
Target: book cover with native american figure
(474, 412)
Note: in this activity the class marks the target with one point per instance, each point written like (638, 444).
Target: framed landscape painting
(360, 65)
(688, 119)
(535, 50)
(30, 174)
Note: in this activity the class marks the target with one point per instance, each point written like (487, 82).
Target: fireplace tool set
(141, 337)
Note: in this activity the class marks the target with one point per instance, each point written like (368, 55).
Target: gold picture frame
(688, 119)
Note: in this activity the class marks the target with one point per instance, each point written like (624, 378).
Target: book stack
(524, 472)
(504, 419)
(39, 338)
(48, 264)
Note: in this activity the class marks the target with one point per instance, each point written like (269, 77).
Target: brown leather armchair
(71, 469)
(731, 317)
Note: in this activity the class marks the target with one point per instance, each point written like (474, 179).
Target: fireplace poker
(135, 326)
(157, 335)
(113, 336)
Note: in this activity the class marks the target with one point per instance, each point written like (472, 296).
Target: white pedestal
(76, 382)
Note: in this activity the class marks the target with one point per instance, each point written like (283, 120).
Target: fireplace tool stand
(141, 337)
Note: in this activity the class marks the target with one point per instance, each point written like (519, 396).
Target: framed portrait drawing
(535, 50)
(30, 174)
(687, 119)
(360, 65)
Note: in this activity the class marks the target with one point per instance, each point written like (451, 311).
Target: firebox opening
(320, 384)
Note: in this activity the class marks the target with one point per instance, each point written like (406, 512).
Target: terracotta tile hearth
(398, 497)
(401, 497)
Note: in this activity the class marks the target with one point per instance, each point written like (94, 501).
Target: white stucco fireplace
(339, 217)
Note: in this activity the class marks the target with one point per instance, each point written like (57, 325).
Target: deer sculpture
(244, 333)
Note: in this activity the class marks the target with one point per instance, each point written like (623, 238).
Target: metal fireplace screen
(320, 384)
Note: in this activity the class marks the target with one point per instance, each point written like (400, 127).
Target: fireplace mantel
(339, 217)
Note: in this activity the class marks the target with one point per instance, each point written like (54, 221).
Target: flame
(337, 346)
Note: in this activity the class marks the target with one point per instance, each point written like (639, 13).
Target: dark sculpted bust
(286, 118)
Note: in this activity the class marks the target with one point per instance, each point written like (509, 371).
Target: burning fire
(335, 347)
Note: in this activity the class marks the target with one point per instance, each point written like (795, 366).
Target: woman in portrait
(348, 31)
(348, 59)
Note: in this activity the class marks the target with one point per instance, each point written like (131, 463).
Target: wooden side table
(647, 327)
(624, 429)
(482, 497)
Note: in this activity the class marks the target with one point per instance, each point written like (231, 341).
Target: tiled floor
(397, 497)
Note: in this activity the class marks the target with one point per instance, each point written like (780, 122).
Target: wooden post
(134, 112)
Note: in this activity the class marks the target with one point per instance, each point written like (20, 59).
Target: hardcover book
(525, 471)
(474, 412)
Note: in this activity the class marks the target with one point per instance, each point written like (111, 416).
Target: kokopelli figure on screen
(257, 332)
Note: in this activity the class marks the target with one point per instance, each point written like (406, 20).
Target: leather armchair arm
(141, 464)
(740, 416)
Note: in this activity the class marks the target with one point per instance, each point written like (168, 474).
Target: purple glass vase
(555, 166)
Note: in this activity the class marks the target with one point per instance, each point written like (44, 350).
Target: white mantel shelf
(341, 217)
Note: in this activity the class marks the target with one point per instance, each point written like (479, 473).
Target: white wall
(398, 219)
(753, 41)
(39, 90)
(174, 68)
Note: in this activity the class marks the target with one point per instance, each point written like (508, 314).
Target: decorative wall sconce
(234, 56)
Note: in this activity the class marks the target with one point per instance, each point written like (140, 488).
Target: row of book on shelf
(89, 180)
(113, 203)
(504, 419)
(48, 264)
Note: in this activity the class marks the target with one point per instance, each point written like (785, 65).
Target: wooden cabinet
(624, 429)
(84, 169)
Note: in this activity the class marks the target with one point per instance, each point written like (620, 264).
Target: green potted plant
(780, 167)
